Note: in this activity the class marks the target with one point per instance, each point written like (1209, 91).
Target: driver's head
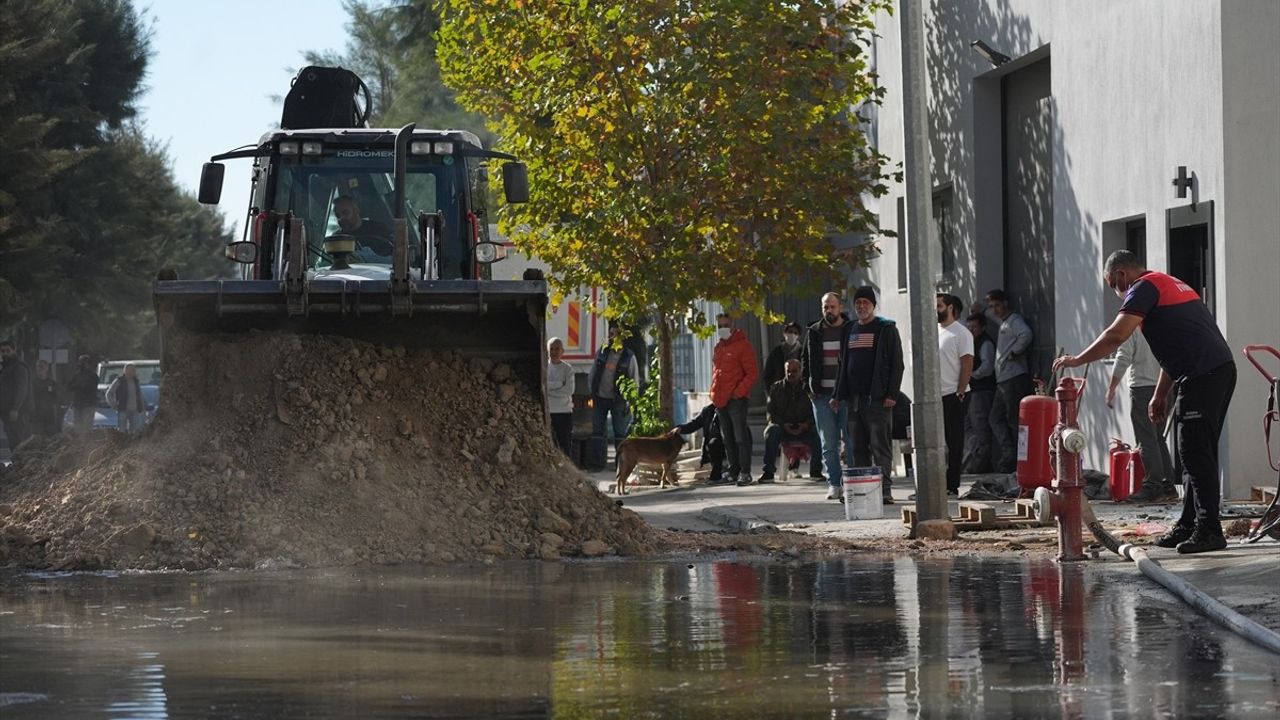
(347, 210)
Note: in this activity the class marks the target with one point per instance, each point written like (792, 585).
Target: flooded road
(852, 637)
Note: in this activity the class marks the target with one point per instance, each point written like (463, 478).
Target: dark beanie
(865, 292)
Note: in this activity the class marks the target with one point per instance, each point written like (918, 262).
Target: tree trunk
(666, 362)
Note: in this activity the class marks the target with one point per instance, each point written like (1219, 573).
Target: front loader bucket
(504, 321)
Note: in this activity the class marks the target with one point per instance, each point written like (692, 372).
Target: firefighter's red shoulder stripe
(1170, 290)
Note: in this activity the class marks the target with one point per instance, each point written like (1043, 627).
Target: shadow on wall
(1020, 224)
(956, 131)
(1081, 308)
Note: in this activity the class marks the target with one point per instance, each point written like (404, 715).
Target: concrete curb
(735, 519)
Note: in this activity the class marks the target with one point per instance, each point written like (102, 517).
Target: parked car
(148, 371)
(104, 416)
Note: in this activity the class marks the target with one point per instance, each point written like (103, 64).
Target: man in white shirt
(955, 363)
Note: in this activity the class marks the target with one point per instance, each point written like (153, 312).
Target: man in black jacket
(819, 367)
(788, 349)
(44, 401)
(870, 377)
(84, 394)
(712, 444)
(15, 393)
(790, 415)
(607, 404)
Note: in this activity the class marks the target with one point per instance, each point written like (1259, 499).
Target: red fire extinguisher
(1127, 470)
(1037, 414)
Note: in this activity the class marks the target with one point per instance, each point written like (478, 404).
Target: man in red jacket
(733, 372)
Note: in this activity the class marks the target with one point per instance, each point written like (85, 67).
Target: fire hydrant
(1065, 445)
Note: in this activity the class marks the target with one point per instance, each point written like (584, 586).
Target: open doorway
(1191, 249)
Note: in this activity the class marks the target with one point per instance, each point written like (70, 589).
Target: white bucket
(862, 488)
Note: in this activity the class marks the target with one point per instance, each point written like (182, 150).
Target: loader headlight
(243, 252)
(312, 148)
(443, 148)
(420, 147)
(489, 252)
(288, 148)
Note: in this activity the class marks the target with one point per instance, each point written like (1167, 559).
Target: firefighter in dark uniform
(1193, 354)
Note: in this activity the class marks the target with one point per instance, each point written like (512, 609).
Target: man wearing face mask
(870, 377)
(788, 349)
(1191, 351)
(733, 372)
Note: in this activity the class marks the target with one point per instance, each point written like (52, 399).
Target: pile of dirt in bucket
(275, 450)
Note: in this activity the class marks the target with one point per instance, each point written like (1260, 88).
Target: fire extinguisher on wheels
(1037, 415)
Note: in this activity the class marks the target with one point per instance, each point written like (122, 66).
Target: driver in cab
(373, 239)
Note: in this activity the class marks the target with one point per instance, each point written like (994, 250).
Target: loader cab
(325, 177)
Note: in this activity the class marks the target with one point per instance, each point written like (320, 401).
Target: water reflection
(845, 637)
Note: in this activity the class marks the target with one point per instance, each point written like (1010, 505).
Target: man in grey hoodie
(1134, 358)
(1012, 380)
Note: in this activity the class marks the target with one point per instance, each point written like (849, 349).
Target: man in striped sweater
(820, 366)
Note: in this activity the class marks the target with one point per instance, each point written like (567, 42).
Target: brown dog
(662, 450)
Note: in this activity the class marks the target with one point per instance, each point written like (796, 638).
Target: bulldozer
(378, 234)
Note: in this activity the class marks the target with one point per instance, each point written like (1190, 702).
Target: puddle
(709, 638)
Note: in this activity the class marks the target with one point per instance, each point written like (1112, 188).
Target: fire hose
(1206, 604)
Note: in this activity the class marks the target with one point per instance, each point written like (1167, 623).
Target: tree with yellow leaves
(678, 150)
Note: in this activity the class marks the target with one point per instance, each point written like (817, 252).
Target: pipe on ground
(1206, 604)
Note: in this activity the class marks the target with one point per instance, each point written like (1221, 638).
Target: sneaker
(794, 465)
(744, 479)
(1155, 493)
(911, 497)
(833, 493)
(818, 477)
(953, 493)
(719, 480)
(887, 499)
(766, 478)
(1203, 539)
(1176, 535)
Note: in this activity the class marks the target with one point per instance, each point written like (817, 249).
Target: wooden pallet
(984, 516)
(1262, 495)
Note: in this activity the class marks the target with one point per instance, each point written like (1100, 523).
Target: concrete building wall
(1249, 262)
(1138, 88)
(1135, 88)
